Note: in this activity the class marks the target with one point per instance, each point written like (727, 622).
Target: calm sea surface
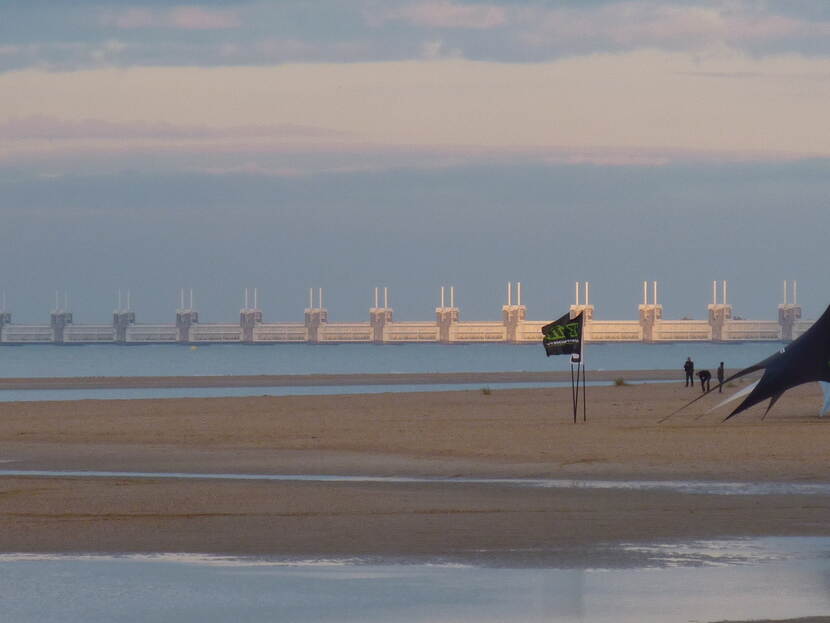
(218, 359)
(227, 359)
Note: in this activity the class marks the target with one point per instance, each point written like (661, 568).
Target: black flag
(563, 336)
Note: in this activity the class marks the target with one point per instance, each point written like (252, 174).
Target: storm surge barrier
(381, 328)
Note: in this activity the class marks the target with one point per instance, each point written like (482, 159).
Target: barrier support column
(249, 318)
(5, 318)
(379, 317)
(585, 308)
(789, 313)
(58, 320)
(446, 317)
(185, 319)
(121, 321)
(315, 317)
(719, 314)
(650, 314)
(513, 315)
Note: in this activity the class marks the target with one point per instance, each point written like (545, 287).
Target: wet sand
(506, 433)
(320, 380)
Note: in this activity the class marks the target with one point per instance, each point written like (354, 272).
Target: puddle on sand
(702, 581)
(700, 487)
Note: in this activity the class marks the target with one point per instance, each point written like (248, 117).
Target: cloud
(445, 14)
(197, 18)
(432, 50)
(55, 129)
(644, 106)
(250, 168)
(108, 51)
(206, 33)
(771, 28)
(129, 18)
(623, 25)
(666, 26)
(179, 17)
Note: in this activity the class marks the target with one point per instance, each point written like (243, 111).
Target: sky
(349, 144)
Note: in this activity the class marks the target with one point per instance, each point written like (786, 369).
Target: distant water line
(216, 359)
(41, 395)
(691, 487)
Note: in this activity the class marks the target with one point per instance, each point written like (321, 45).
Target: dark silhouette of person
(704, 376)
(720, 378)
(689, 367)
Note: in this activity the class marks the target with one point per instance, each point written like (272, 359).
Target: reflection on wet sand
(699, 581)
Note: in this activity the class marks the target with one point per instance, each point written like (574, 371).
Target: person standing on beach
(720, 378)
(689, 367)
(705, 376)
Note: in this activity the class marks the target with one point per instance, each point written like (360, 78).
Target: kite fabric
(825, 387)
(563, 336)
(804, 360)
(739, 394)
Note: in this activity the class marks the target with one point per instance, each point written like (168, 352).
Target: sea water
(229, 359)
(698, 581)
(687, 487)
(127, 393)
(221, 359)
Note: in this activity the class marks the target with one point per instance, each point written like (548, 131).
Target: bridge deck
(524, 331)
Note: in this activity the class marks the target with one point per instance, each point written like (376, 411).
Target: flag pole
(564, 336)
(584, 395)
(584, 377)
(575, 389)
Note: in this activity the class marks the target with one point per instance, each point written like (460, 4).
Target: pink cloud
(197, 18)
(772, 27)
(51, 128)
(447, 14)
(131, 18)
(179, 17)
(253, 168)
(633, 23)
(648, 24)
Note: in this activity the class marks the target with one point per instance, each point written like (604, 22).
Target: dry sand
(468, 433)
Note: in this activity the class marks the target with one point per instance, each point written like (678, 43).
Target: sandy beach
(503, 433)
(318, 380)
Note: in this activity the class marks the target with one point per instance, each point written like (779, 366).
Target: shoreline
(508, 433)
(483, 525)
(319, 380)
